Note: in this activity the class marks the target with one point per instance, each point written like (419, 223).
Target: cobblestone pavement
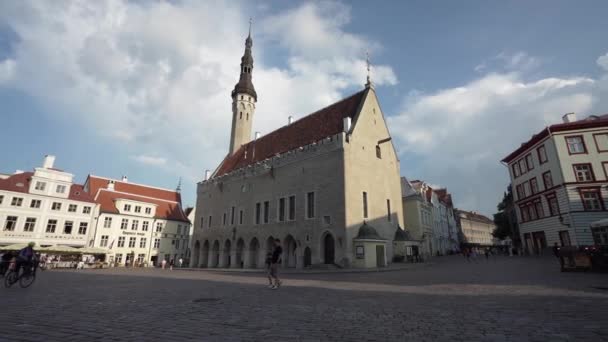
(506, 299)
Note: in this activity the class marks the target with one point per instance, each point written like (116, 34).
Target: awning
(14, 247)
(600, 223)
(59, 249)
(93, 250)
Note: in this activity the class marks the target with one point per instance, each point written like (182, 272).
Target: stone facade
(318, 181)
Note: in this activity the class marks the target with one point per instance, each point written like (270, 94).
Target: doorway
(380, 261)
(307, 257)
(329, 249)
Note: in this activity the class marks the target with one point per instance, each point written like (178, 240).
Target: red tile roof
(21, 183)
(476, 216)
(314, 127)
(164, 209)
(590, 122)
(168, 201)
(95, 183)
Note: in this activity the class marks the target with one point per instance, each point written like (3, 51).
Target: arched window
(247, 118)
(378, 152)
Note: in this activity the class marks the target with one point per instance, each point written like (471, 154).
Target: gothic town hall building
(326, 185)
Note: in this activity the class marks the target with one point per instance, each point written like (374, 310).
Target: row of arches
(251, 254)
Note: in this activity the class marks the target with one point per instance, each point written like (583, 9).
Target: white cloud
(459, 135)
(158, 75)
(7, 70)
(150, 160)
(602, 61)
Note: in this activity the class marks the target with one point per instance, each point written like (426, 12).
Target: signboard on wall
(360, 252)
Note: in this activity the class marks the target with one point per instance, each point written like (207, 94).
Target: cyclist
(25, 257)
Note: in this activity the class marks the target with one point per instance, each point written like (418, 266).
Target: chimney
(257, 135)
(49, 160)
(125, 179)
(111, 185)
(207, 174)
(568, 118)
(290, 120)
(347, 124)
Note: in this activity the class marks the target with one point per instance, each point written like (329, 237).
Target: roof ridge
(306, 116)
(132, 183)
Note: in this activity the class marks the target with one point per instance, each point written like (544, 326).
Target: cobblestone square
(502, 299)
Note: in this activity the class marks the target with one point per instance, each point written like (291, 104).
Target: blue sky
(142, 88)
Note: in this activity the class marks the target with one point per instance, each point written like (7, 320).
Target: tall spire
(245, 84)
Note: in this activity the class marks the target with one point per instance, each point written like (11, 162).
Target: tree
(506, 220)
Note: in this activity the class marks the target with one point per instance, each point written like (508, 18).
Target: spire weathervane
(250, 23)
(369, 79)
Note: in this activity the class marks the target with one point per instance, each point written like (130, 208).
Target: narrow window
(292, 208)
(282, 209)
(232, 215)
(378, 152)
(310, 205)
(548, 180)
(209, 222)
(202, 222)
(388, 208)
(266, 211)
(241, 216)
(364, 204)
(258, 207)
(533, 185)
(542, 154)
(241, 116)
(529, 162)
(553, 205)
(515, 168)
(224, 220)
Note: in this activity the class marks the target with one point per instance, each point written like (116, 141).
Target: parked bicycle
(25, 275)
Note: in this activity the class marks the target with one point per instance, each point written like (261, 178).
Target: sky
(142, 88)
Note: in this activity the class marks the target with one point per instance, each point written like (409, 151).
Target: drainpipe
(152, 230)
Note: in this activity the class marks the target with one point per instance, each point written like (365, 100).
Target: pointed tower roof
(245, 84)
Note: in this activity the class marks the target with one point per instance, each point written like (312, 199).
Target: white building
(138, 224)
(418, 214)
(46, 207)
(476, 229)
(560, 179)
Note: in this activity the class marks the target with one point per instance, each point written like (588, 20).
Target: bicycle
(25, 279)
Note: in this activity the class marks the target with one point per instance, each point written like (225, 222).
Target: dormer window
(148, 210)
(60, 189)
(127, 207)
(137, 209)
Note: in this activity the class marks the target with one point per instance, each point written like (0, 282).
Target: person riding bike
(25, 257)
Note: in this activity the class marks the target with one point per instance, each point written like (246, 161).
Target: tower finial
(179, 185)
(367, 61)
(250, 24)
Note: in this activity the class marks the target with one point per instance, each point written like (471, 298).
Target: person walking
(163, 263)
(268, 262)
(171, 264)
(181, 262)
(274, 264)
(487, 253)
